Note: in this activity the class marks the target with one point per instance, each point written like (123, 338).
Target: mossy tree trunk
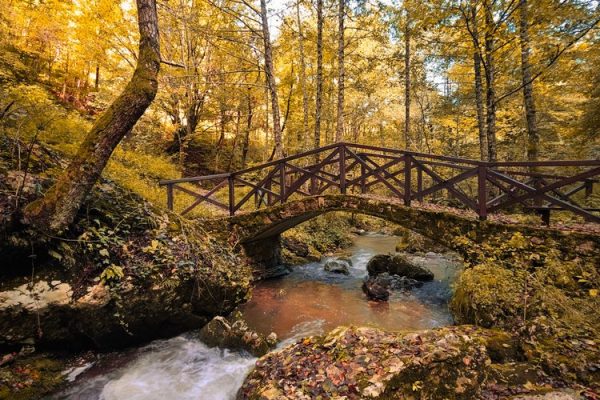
(57, 209)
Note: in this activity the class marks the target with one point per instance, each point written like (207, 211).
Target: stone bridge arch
(259, 232)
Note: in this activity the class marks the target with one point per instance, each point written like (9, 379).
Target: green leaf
(55, 254)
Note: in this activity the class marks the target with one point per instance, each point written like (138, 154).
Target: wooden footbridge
(354, 169)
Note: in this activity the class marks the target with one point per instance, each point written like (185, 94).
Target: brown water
(308, 301)
(311, 300)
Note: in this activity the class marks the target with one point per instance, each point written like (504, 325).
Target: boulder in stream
(379, 287)
(234, 333)
(398, 265)
(361, 363)
(376, 290)
(338, 266)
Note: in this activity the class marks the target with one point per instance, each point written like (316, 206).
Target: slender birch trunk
(319, 94)
(533, 138)
(490, 82)
(483, 145)
(302, 136)
(272, 85)
(339, 131)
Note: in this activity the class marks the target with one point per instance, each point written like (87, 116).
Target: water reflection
(310, 293)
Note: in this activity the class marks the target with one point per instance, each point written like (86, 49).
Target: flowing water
(307, 301)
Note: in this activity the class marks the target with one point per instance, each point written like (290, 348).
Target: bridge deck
(476, 188)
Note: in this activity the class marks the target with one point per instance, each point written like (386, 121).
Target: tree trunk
(249, 116)
(339, 131)
(490, 82)
(97, 78)
(483, 145)
(57, 209)
(222, 125)
(238, 119)
(533, 138)
(407, 140)
(270, 72)
(304, 134)
(319, 93)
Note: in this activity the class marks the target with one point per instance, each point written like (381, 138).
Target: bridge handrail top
(549, 163)
(475, 163)
(194, 179)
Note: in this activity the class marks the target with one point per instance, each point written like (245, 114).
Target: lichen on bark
(57, 209)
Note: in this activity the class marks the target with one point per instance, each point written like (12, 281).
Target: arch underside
(259, 232)
(441, 227)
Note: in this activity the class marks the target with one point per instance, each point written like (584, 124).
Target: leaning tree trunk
(533, 138)
(270, 72)
(60, 204)
(339, 131)
(319, 94)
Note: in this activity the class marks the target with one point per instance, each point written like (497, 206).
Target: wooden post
(545, 215)
(482, 192)
(342, 169)
(537, 184)
(231, 194)
(170, 197)
(407, 178)
(282, 179)
(363, 180)
(268, 185)
(589, 188)
(419, 184)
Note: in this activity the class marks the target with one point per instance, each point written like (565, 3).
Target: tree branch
(550, 62)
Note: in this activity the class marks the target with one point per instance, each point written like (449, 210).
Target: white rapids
(179, 368)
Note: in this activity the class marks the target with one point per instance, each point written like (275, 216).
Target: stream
(306, 302)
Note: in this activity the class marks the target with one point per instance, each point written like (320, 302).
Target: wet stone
(397, 265)
(234, 333)
(338, 266)
(379, 287)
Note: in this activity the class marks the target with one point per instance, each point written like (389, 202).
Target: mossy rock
(360, 363)
(127, 272)
(31, 378)
(397, 265)
(551, 306)
(233, 333)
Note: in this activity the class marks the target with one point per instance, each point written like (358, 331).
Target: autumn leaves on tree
(60, 204)
(247, 81)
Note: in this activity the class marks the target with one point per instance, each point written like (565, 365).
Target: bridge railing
(479, 186)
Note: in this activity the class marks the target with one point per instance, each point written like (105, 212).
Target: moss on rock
(529, 286)
(360, 363)
(31, 378)
(126, 272)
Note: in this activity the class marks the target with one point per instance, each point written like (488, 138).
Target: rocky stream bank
(538, 335)
(128, 272)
